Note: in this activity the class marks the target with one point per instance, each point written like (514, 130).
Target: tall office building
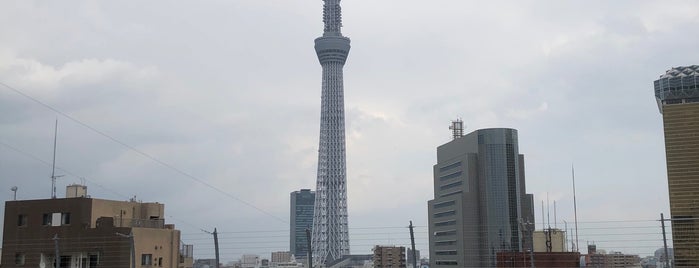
(677, 93)
(330, 238)
(479, 195)
(301, 219)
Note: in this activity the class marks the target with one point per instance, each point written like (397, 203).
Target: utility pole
(57, 259)
(132, 246)
(215, 234)
(412, 243)
(310, 252)
(667, 257)
(216, 246)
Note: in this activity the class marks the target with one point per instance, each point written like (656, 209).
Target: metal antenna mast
(53, 165)
(575, 211)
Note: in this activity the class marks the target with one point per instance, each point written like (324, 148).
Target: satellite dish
(14, 188)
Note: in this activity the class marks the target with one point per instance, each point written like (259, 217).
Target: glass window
(65, 218)
(444, 214)
(146, 259)
(22, 220)
(19, 258)
(46, 219)
(444, 204)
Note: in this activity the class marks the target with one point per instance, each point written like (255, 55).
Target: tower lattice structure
(330, 238)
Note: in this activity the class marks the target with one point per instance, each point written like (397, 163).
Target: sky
(212, 108)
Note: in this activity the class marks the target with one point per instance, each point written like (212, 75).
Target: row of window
(147, 259)
(90, 261)
(448, 167)
(445, 233)
(450, 176)
(445, 223)
(47, 219)
(444, 204)
(445, 214)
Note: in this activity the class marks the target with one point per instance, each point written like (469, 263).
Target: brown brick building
(389, 257)
(90, 233)
(677, 93)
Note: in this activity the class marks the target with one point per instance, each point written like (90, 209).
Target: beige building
(90, 232)
(677, 93)
(389, 257)
(558, 240)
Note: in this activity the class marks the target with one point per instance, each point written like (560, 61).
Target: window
(444, 204)
(146, 259)
(22, 220)
(46, 219)
(446, 252)
(452, 232)
(65, 261)
(445, 243)
(448, 167)
(160, 261)
(445, 223)
(447, 263)
(19, 258)
(445, 214)
(65, 218)
(451, 185)
(450, 176)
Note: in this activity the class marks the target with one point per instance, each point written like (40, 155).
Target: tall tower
(677, 93)
(330, 238)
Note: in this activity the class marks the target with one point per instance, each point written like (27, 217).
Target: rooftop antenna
(555, 219)
(14, 189)
(53, 165)
(457, 128)
(575, 210)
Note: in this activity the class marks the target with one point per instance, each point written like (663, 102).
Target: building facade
(389, 257)
(557, 237)
(677, 94)
(479, 193)
(90, 233)
(330, 237)
(302, 203)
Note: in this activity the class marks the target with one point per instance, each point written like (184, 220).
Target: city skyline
(223, 91)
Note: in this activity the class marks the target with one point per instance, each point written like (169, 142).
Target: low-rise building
(389, 257)
(80, 231)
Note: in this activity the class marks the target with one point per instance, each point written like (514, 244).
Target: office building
(677, 94)
(330, 237)
(389, 257)
(89, 233)
(302, 203)
(409, 254)
(479, 194)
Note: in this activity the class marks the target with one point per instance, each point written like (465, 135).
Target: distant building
(205, 263)
(541, 259)
(250, 261)
(302, 203)
(595, 259)
(557, 237)
(90, 233)
(409, 257)
(352, 261)
(479, 193)
(677, 94)
(389, 257)
(281, 256)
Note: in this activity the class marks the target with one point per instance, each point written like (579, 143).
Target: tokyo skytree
(330, 238)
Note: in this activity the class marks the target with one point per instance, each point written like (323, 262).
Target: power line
(144, 154)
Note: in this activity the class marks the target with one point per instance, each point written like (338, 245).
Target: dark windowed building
(301, 219)
(479, 204)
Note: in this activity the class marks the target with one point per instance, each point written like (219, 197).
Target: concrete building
(479, 191)
(677, 94)
(389, 257)
(250, 261)
(558, 240)
(330, 238)
(301, 213)
(541, 259)
(90, 233)
(409, 257)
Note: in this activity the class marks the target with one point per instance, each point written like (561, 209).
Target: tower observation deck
(330, 237)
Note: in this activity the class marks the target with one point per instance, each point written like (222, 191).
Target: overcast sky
(229, 93)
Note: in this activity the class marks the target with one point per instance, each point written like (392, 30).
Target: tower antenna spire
(332, 18)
